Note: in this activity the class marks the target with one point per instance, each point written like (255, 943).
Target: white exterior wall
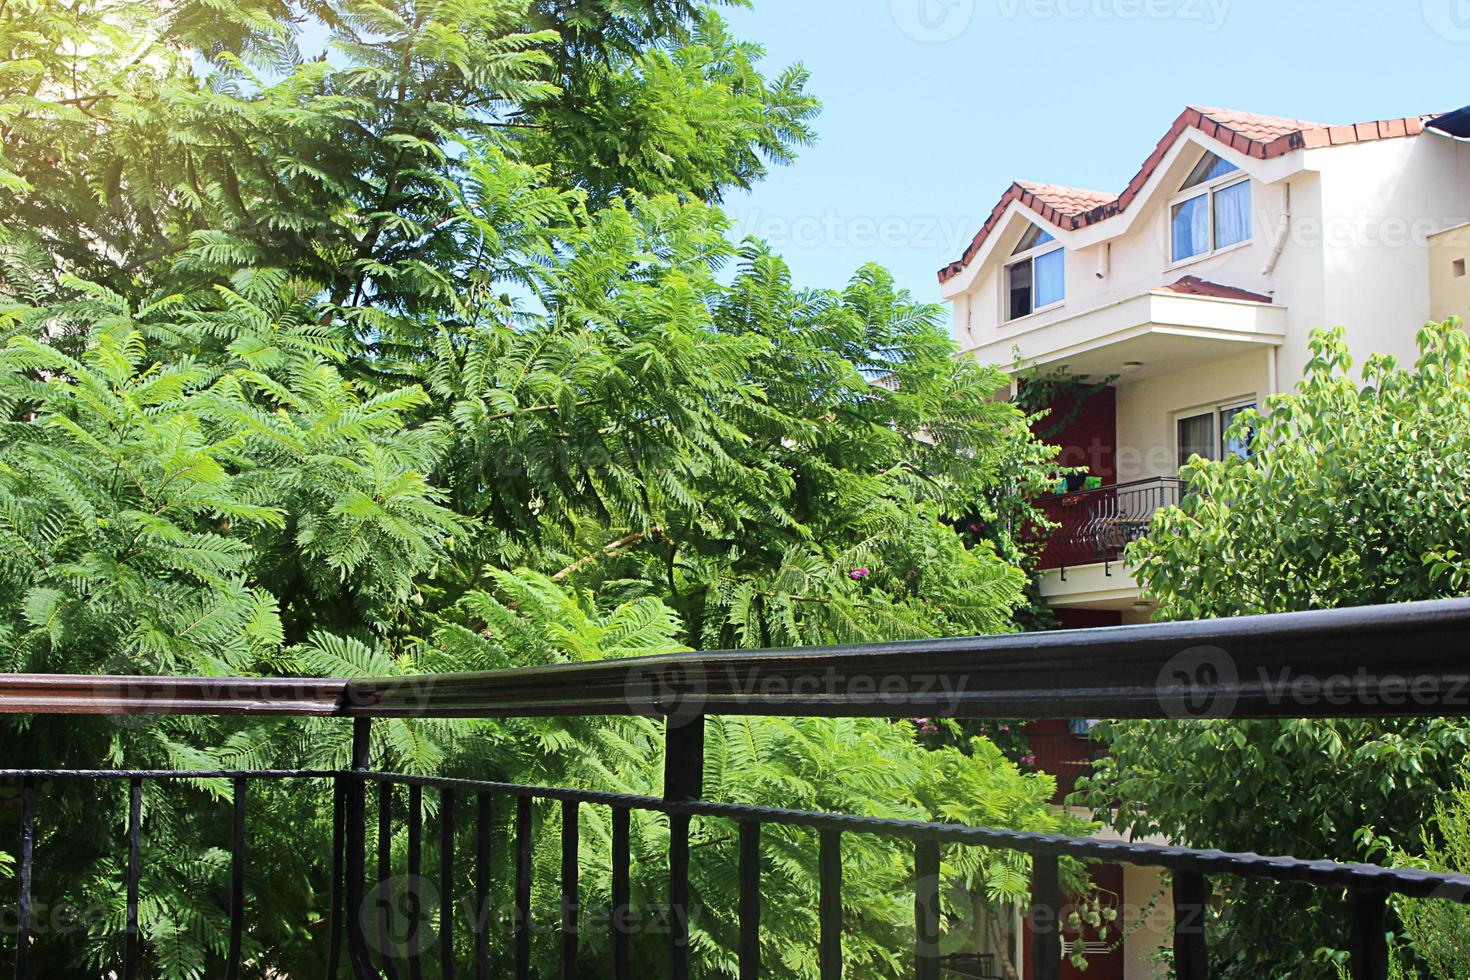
(1383, 201)
(1147, 409)
(1356, 255)
(1140, 261)
(1367, 249)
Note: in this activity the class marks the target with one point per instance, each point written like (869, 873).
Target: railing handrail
(1384, 661)
(1151, 481)
(1249, 666)
(140, 694)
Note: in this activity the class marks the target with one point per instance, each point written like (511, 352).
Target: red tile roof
(1195, 286)
(1262, 137)
(1254, 126)
(1067, 200)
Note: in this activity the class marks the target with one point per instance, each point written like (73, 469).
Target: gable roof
(1261, 137)
(1067, 200)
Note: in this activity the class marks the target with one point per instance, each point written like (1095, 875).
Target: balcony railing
(1150, 671)
(1096, 525)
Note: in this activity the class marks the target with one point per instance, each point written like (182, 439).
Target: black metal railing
(1096, 525)
(1398, 660)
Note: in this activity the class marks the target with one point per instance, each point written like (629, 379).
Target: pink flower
(858, 574)
(1028, 760)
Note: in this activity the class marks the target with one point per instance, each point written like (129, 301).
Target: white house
(1198, 287)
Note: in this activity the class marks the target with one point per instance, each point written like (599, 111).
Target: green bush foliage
(1355, 494)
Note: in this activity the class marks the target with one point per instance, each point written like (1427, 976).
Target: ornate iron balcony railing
(1096, 525)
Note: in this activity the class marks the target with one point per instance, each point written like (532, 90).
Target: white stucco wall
(1138, 245)
(1381, 203)
(1147, 409)
(1357, 253)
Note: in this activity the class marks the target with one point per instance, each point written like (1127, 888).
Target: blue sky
(932, 107)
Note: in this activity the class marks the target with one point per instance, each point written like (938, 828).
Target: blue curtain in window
(1051, 277)
(1232, 214)
(1191, 232)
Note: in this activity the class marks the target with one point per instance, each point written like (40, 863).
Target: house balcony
(1169, 329)
(1122, 672)
(1096, 525)
(1082, 565)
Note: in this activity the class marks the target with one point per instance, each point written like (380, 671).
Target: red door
(1104, 961)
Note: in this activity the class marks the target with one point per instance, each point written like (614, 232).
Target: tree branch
(606, 551)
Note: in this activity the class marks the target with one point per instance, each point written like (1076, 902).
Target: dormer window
(1035, 278)
(1213, 210)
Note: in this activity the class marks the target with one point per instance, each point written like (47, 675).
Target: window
(1036, 278)
(1208, 433)
(1217, 216)
(1240, 443)
(1196, 437)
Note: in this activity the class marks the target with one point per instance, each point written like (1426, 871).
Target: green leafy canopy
(357, 339)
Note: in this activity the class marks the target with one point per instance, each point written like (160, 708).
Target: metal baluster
(237, 883)
(830, 901)
(446, 884)
(385, 872)
(926, 910)
(339, 822)
(569, 830)
(683, 782)
(750, 900)
(679, 896)
(523, 888)
(621, 893)
(1191, 898)
(482, 886)
(1046, 918)
(135, 831)
(1367, 939)
(415, 895)
(27, 846)
(356, 823)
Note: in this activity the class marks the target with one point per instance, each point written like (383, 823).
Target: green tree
(259, 516)
(1354, 494)
(420, 356)
(658, 98)
(148, 142)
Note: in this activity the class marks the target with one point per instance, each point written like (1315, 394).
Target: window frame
(1030, 256)
(1208, 190)
(1216, 413)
